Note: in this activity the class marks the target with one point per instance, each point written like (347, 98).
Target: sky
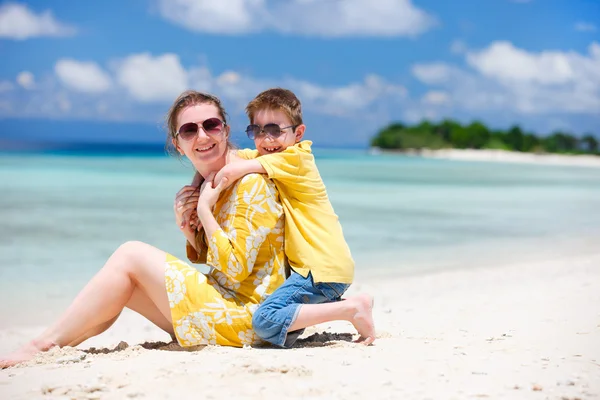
(109, 70)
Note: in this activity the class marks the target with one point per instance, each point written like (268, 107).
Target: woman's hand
(208, 198)
(186, 202)
(208, 194)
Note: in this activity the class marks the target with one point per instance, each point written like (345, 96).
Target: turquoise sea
(61, 216)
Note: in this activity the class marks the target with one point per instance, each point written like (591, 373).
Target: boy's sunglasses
(273, 130)
(212, 126)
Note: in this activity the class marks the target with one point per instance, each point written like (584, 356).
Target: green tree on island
(476, 135)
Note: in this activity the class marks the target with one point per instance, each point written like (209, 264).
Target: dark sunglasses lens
(212, 126)
(273, 130)
(253, 131)
(188, 131)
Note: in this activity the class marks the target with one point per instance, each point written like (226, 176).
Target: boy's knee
(261, 325)
(269, 322)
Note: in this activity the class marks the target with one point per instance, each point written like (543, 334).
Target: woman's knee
(129, 255)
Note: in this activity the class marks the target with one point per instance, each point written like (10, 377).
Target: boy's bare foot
(362, 317)
(25, 353)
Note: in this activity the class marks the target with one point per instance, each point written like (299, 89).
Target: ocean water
(62, 216)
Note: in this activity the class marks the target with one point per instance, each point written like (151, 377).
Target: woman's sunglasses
(273, 130)
(212, 126)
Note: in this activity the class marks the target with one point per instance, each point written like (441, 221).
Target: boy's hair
(276, 99)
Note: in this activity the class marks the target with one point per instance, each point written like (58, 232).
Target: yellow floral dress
(246, 257)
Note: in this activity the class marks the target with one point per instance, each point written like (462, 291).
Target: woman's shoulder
(252, 180)
(253, 184)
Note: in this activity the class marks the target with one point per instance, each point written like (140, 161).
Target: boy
(320, 260)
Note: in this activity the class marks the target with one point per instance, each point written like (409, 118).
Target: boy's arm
(238, 169)
(284, 166)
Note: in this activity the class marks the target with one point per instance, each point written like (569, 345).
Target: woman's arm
(257, 213)
(186, 203)
(197, 250)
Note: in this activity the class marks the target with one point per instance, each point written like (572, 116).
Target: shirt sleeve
(257, 213)
(283, 166)
(197, 256)
(293, 169)
(247, 154)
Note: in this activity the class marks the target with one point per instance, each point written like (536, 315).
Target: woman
(245, 250)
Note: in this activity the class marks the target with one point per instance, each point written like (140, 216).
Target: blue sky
(355, 64)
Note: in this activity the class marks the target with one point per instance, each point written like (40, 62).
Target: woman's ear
(174, 141)
(300, 132)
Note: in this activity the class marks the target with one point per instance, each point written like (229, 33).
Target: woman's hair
(184, 100)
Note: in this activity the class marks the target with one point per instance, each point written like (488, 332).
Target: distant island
(449, 134)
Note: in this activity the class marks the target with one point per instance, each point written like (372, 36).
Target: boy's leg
(356, 309)
(299, 303)
(272, 320)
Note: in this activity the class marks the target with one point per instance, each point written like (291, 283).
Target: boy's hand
(235, 170)
(232, 171)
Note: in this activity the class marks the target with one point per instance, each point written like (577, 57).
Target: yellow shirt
(246, 256)
(314, 241)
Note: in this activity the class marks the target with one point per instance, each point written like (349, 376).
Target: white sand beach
(505, 156)
(522, 331)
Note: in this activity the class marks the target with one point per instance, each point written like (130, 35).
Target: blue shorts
(273, 318)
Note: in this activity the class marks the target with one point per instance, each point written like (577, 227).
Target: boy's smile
(267, 144)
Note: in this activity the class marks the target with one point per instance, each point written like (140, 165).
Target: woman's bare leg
(139, 303)
(95, 331)
(356, 309)
(134, 264)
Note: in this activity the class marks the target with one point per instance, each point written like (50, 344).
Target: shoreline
(56, 296)
(523, 330)
(503, 156)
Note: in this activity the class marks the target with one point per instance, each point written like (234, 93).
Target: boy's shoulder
(304, 145)
(247, 154)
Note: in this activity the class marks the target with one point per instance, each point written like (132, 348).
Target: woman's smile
(205, 148)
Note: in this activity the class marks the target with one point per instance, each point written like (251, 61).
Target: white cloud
(435, 97)
(149, 78)
(432, 73)
(300, 17)
(82, 76)
(585, 27)
(6, 86)
(343, 100)
(143, 85)
(352, 18)
(347, 100)
(229, 78)
(229, 17)
(64, 104)
(6, 107)
(458, 47)
(505, 62)
(509, 79)
(19, 22)
(26, 80)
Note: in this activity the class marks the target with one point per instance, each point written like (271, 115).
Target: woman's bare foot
(25, 353)
(362, 317)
